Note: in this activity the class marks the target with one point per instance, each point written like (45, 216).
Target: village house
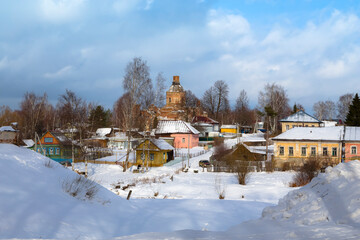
(299, 119)
(154, 153)
(207, 127)
(184, 135)
(295, 146)
(120, 141)
(351, 143)
(8, 135)
(57, 146)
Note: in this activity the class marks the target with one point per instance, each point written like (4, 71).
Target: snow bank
(332, 196)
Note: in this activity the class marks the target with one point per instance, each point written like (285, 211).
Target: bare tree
(31, 110)
(343, 105)
(73, 112)
(190, 99)
(274, 97)
(7, 116)
(215, 99)
(324, 110)
(136, 82)
(243, 114)
(160, 90)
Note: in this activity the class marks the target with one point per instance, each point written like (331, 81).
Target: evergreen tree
(353, 116)
(99, 118)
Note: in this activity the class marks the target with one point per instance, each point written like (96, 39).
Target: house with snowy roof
(184, 135)
(228, 129)
(205, 126)
(57, 146)
(351, 144)
(8, 134)
(299, 119)
(154, 152)
(295, 146)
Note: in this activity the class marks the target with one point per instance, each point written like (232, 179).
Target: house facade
(228, 129)
(299, 119)
(57, 146)
(206, 126)
(351, 143)
(8, 135)
(184, 135)
(295, 146)
(153, 153)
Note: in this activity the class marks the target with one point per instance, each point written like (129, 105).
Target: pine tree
(353, 116)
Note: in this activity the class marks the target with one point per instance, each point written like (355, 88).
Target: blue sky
(310, 47)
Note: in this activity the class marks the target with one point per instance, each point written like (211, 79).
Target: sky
(311, 48)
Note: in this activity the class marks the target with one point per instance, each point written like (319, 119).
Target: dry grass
(80, 188)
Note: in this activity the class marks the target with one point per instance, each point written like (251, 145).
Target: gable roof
(301, 116)
(102, 132)
(159, 143)
(168, 126)
(61, 138)
(313, 134)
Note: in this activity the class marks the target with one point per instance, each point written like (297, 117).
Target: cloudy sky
(310, 47)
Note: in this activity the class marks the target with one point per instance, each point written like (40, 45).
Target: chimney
(176, 80)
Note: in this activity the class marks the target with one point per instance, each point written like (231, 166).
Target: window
(57, 151)
(306, 125)
(142, 156)
(334, 152)
(48, 140)
(51, 151)
(325, 151)
(152, 157)
(291, 151)
(287, 127)
(170, 100)
(313, 125)
(183, 140)
(353, 150)
(303, 151)
(281, 151)
(313, 151)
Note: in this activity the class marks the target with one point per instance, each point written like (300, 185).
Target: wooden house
(8, 135)
(228, 129)
(185, 136)
(299, 119)
(154, 152)
(57, 146)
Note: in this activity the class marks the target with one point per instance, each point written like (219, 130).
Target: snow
(7, 129)
(170, 204)
(300, 116)
(102, 132)
(312, 133)
(168, 126)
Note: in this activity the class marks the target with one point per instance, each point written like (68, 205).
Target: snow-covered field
(168, 204)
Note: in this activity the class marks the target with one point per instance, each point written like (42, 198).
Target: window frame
(325, 151)
(302, 152)
(291, 151)
(281, 151)
(353, 148)
(313, 153)
(332, 151)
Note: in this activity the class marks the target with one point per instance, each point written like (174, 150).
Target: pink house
(184, 135)
(352, 143)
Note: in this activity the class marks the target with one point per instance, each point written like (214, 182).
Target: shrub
(80, 188)
(220, 187)
(49, 164)
(241, 174)
(307, 172)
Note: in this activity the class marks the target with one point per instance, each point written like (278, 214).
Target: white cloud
(60, 73)
(125, 6)
(61, 10)
(4, 63)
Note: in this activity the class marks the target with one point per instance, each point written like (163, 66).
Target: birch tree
(136, 83)
(215, 99)
(343, 105)
(274, 97)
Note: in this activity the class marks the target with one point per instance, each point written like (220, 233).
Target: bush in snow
(308, 171)
(80, 187)
(220, 187)
(241, 174)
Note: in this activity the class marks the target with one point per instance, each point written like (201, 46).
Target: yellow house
(292, 148)
(299, 119)
(153, 152)
(232, 129)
